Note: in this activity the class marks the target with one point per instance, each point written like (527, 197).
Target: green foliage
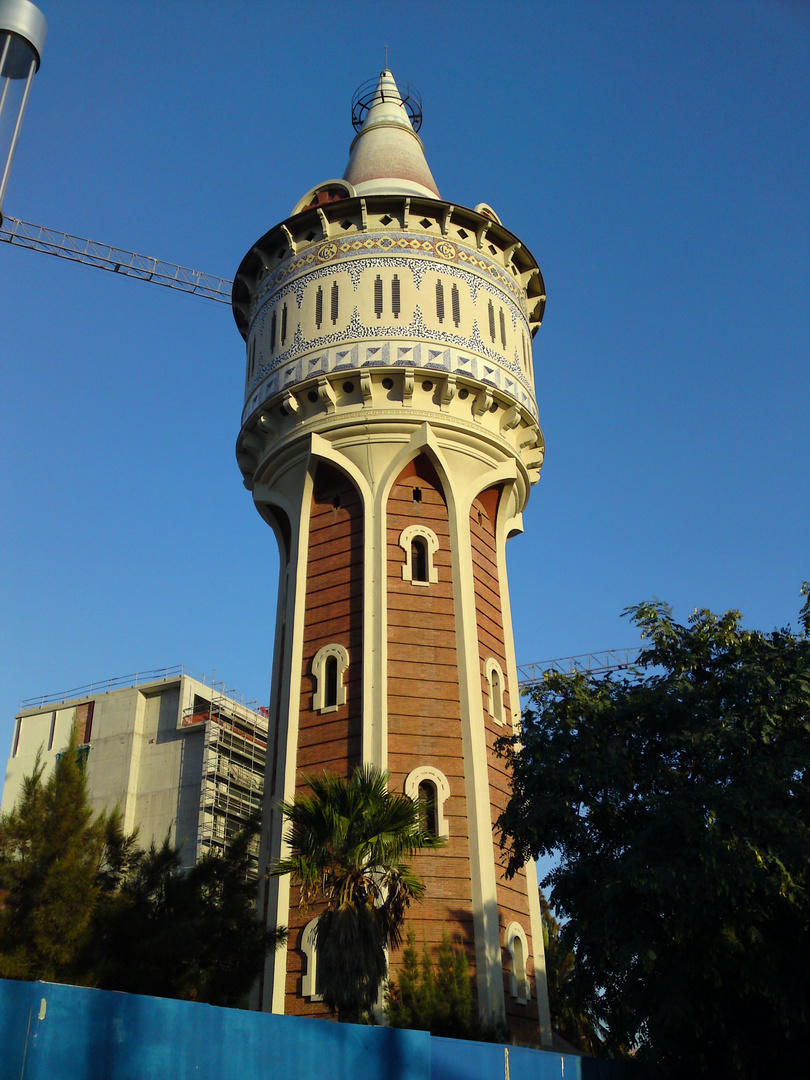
(185, 933)
(348, 840)
(679, 804)
(436, 998)
(84, 905)
(50, 851)
(571, 1016)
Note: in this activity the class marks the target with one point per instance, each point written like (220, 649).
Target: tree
(435, 997)
(84, 905)
(347, 842)
(50, 851)
(182, 932)
(572, 1017)
(678, 801)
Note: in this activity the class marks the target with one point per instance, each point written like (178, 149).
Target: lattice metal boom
(593, 663)
(142, 267)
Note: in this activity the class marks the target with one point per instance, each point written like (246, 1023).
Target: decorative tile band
(387, 354)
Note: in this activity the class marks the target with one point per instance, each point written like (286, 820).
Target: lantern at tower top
(387, 156)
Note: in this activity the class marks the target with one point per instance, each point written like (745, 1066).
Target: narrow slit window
(378, 296)
(419, 560)
(429, 788)
(319, 307)
(396, 306)
(503, 328)
(53, 730)
(420, 545)
(491, 311)
(330, 675)
(329, 666)
(497, 696)
(283, 324)
(428, 808)
(440, 301)
(273, 334)
(334, 300)
(518, 946)
(455, 304)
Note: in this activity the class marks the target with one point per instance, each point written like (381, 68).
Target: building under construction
(180, 757)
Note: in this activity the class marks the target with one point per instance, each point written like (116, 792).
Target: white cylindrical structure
(22, 37)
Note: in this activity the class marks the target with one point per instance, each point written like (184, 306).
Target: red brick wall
(424, 715)
(333, 613)
(513, 901)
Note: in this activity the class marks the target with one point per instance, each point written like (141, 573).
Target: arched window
(518, 946)
(419, 559)
(330, 672)
(430, 786)
(495, 683)
(329, 666)
(309, 982)
(420, 544)
(428, 801)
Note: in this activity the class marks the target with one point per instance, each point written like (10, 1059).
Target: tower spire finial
(386, 58)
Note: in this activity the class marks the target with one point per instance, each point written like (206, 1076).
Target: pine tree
(50, 852)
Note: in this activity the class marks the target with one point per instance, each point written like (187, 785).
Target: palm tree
(347, 841)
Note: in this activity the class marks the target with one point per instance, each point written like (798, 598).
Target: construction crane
(90, 253)
(592, 663)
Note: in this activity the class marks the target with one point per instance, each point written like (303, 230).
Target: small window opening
(417, 494)
(419, 562)
(330, 674)
(497, 696)
(53, 730)
(319, 307)
(336, 501)
(396, 306)
(456, 304)
(428, 808)
(283, 324)
(273, 334)
(378, 296)
(491, 311)
(519, 965)
(334, 299)
(17, 738)
(503, 328)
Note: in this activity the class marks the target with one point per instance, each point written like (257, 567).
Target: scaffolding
(232, 780)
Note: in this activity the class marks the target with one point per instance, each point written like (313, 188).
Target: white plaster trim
(370, 718)
(540, 976)
(309, 980)
(319, 673)
(476, 770)
(406, 538)
(427, 772)
(495, 696)
(518, 980)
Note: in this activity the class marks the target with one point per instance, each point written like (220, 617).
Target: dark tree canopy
(678, 802)
(84, 905)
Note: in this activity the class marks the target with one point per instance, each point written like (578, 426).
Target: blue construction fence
(54, 1032)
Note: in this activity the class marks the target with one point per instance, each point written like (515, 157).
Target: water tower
(390, 438)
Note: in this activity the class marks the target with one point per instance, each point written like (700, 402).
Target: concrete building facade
(390, 438)
(179, 758)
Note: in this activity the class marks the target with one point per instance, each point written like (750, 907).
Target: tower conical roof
(387, 156)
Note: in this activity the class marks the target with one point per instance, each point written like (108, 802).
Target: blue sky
(653, 158)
